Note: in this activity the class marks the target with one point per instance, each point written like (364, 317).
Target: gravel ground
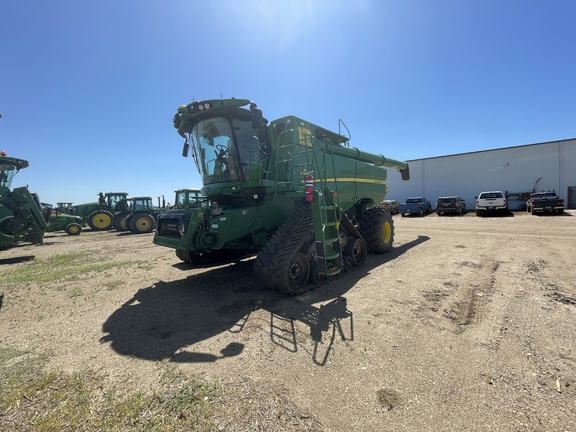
(468, 325)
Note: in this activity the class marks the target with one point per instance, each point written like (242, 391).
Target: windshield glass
(224, 151)
(7, 172)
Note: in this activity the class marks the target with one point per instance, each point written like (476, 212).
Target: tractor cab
(137, 204)
(188, 198)
(116, 201)
(64, 208)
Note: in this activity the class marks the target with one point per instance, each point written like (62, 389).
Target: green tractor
(58, 221)
(294, 194)
(20, 216)
(64, 208)
(188, 198)
(139, 218)
(99, 216)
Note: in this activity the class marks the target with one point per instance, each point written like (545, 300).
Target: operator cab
(229, 144)
(9, 167)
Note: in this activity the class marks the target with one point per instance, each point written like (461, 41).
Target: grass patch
(37, 401)
(59, 267)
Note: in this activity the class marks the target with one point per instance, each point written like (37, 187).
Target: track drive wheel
(377, 228)
(142, 223)
(100, 220)
(73, 228)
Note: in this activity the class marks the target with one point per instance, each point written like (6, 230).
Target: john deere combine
(294, 193)
(20, 216)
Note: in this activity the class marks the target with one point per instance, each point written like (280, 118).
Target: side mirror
(257, 117)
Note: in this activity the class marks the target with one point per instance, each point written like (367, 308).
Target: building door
(571, 197)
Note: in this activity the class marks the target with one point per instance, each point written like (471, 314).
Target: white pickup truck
(491, 202)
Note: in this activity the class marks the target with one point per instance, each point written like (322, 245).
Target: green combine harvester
(293, 193)
(21, 220)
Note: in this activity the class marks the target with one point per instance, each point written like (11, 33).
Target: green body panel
(20, 218)
(254, 174)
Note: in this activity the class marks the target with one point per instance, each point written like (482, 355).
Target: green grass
(37, 401)
(62, 267)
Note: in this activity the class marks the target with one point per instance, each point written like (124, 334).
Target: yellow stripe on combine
(353, 180)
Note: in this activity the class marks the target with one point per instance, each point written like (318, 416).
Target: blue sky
(88, 89)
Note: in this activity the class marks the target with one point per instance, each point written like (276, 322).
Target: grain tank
(293, 193)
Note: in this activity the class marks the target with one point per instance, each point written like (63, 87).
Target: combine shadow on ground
(165, 321)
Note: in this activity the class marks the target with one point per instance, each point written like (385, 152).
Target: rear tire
(377, 229)
(120, 221)
(142, 223)
(100, 220)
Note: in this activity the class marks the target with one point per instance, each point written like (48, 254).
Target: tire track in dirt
(471, 308)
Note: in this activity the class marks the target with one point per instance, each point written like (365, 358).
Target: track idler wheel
(356, 249)
(316, 275)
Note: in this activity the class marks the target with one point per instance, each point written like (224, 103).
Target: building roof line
(489, 150)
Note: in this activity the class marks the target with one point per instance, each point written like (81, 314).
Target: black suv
(450, 204)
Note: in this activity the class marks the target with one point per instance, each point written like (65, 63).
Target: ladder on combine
(310, 156)
(325, 207)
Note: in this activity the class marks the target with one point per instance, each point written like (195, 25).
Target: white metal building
(517, 171)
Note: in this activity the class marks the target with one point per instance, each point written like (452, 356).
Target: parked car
(545, 202)
(450, 204)
(491, 202)
(392, 206)
(416, 205)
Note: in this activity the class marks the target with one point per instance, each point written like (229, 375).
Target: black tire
(73, 228)
(280, 265)
(403, 214)
(142, 223)
(377, 229)
(100, 220)
(120, 221)
(421, 212)
(356, 249)
(478, 213)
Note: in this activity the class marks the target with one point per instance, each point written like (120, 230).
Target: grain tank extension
(291, 192)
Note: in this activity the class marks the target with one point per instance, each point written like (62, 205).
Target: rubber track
(271, 264)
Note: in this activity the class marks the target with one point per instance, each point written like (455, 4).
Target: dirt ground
(468, 325)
